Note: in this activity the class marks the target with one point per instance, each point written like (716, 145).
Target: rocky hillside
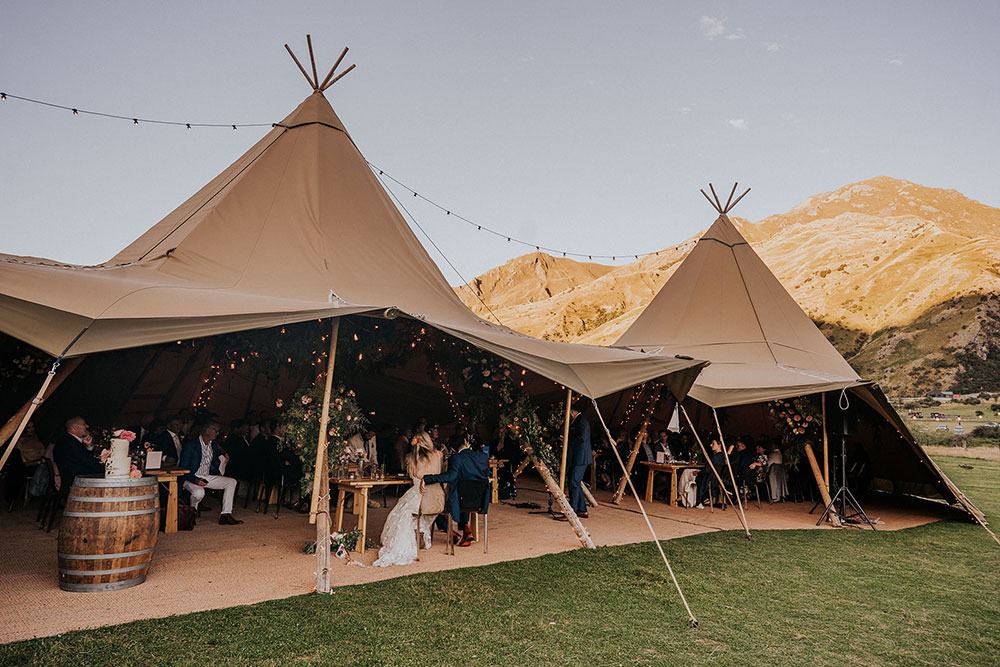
(904, 279)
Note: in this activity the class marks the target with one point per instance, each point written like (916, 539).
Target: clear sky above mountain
(587, 127)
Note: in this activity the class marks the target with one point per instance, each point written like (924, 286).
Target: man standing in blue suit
(465, 464)
(578, 456)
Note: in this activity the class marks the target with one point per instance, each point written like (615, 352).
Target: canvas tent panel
(298, 227)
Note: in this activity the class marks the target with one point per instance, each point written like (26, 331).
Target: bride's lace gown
(399, 538)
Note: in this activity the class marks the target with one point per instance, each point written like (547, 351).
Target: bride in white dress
(399, 539)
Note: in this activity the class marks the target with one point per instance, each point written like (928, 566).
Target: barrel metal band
(110, 499)
(127, 554)
(85, 573)
(84, 515)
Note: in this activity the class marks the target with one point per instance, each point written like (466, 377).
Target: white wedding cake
(119, 463)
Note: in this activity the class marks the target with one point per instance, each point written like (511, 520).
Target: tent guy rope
(692, 621)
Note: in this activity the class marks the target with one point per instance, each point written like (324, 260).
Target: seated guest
(741, 459)
(684, 451)
(758, 466)
(265, 459)
(662, 444)
(363, 447)
(71, 455)
(32, 449)
(465, 464)
(237, 447)
(201, 456)
(169, 441)
(718, 460)
(457, 441)
(143, 429)
(400, 448)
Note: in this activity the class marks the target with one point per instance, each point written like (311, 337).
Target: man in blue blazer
(201, 457)
(579, 455)
(465, 464)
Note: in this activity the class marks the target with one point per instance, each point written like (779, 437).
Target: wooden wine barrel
(107, 533)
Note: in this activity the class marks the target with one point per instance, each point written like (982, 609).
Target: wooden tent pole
(823, 492)
(20, 418)
(692, 621)
(312, 60)
(320, 505)
(322, 86)
(732, 477)
(826, 449)
(708, 458)
(588, 496)
(633, 454)
(567, 510)
(565, 444)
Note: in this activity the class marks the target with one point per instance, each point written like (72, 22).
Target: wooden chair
(474, 498)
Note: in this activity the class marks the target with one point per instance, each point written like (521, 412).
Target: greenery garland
(301, 418)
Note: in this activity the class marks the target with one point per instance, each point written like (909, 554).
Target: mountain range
(903, 279)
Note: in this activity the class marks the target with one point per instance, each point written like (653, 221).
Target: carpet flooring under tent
(217, 566)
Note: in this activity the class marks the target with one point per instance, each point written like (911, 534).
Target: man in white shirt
(201, 457)
(363, 447)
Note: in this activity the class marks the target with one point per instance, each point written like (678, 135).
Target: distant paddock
(988, 453)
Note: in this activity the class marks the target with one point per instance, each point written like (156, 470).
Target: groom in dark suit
(465, 464)
(579, 455)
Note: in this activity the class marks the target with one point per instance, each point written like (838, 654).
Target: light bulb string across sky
(448, 212)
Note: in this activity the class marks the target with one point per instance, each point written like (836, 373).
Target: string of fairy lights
(538, 247)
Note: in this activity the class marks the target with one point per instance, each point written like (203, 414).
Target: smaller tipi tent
(723, 304)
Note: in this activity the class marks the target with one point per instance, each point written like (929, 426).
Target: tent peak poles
(692, 621)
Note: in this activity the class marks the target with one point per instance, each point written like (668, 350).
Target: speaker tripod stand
(845, 497)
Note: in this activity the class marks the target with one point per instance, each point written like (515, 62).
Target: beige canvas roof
(297, 228)
(725, 305)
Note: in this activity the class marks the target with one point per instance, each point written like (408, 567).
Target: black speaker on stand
(846, 421)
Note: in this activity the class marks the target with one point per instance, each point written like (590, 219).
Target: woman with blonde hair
(399, 538)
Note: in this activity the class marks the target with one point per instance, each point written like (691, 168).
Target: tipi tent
(298, 228)
(723, 304)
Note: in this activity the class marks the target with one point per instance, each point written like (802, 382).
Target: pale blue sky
(585, 126)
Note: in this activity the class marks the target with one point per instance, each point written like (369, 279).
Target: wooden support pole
(301, 68)
(15, 425)
(732, 477)
(824, 493)
(588, 496)
(565, 447)
(708, 457)
(522, 467)
(312, 60)
(326, 80)
(826, 449)
(633, 454)
(560, 497)
(320, 505)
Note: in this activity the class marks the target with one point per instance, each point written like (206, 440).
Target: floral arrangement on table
(301, 419)
(798, 422)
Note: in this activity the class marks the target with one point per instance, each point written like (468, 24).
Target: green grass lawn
(928, 595)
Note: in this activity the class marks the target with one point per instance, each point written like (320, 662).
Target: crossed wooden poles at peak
(314, 79)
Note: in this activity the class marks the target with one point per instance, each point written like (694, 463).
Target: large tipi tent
(297, 228)
(723, 304)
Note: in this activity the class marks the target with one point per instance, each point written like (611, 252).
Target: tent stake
(732, 477)
(22, 416)
(692, 621)
(320, 509)
(565, 447)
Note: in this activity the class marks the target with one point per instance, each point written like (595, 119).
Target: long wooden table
(672, 468)
(169, 477)
(360, 489)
